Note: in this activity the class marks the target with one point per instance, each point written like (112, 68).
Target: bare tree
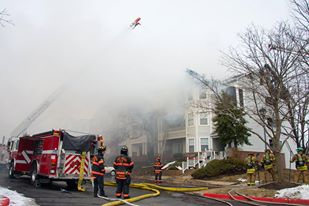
(300, 34)
(301, 40)
(301, 13)
(4, 18)
(212, 84)
(297, 98)
(296, 102)
(275, 79)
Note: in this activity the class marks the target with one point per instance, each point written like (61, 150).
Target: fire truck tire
(34, 176)
(11, 170)
(72, 184)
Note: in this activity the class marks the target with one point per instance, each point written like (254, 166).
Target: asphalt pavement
(57, 194)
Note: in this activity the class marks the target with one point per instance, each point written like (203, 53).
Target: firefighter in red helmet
(157, 166)
(98, 171)
(123, 166)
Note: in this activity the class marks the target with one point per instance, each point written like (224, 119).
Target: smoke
(109, 68)
(92, 103)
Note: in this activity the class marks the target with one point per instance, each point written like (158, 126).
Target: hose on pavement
(147, 186)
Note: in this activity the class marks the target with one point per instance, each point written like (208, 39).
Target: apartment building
(195, 134)
(191, 132)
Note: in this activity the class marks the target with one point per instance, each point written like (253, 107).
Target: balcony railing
(201, 159)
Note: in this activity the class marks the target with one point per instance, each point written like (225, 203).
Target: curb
(5, 201)
(282, 200)
(265, 199)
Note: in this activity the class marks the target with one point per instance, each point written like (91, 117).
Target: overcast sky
(89, 45)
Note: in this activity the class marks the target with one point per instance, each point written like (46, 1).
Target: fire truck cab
(53, 155)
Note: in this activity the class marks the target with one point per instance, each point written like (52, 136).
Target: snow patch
(17, 199)
(241, 180)
(300, 192)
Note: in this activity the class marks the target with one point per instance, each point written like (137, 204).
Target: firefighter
(251, 163)
(158, 169)
(123, 166)
(98, 172)
(268, 164)
(301, 164)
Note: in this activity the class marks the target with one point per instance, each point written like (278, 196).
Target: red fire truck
(53, 155)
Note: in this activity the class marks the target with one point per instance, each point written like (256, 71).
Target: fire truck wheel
(34, 176)
(11, 170)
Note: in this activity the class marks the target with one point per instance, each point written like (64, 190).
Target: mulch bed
(279, 185)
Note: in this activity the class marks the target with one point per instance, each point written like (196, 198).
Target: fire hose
(147, 186)
(81, 173)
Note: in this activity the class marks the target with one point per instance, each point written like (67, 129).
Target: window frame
(200, 118)
(188, 119)
(201, 145)
(191, 140)
(241, 97)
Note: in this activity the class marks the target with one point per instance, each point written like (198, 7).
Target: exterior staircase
(201, 160)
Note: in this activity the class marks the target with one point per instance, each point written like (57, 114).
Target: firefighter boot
(102, 194)
(126, 196)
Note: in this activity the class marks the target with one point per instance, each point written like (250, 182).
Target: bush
(219, 167)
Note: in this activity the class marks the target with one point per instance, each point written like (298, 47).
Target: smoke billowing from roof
(107, 66)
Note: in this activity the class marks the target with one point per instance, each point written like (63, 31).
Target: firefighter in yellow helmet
(302, 162)
(157, 166)
(268, 161)
(251, 164)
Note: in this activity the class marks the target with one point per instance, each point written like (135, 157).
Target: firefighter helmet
(102, 148)
(124, 150)
(158, 158)
(100, 138)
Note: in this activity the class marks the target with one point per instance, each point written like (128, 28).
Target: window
(231, 91)
(204, 118)
(203, 94)
(191, 145)
(177, 147)
(241, 97)
(204, 144)
(38, 147)
(190, 119)
(11, 145)
(16, 145)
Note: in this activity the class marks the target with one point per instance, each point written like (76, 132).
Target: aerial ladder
(21, 129)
